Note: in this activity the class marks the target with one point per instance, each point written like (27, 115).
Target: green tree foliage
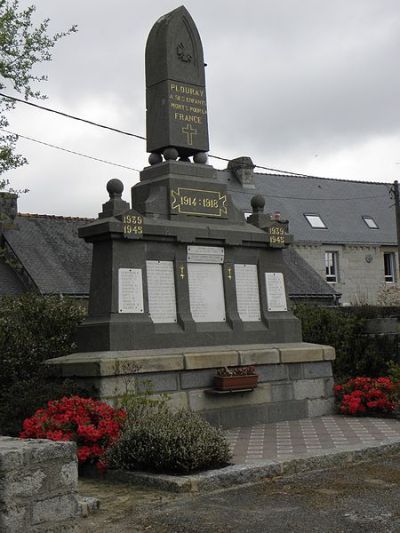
(22, 47)
(357, 352)
(33, 328)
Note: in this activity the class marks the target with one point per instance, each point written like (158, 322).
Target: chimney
(8, 210)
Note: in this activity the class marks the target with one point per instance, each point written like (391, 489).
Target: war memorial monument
(181, 282)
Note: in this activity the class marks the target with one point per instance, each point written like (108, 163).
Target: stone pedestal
(295, 379)
(181, 218)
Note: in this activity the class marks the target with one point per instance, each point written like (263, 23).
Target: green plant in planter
(235, 378)
(236, 371)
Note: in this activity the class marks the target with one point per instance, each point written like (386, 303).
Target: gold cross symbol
(182, 269)
(229, 273)
(189, 131)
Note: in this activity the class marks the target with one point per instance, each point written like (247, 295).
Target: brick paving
(294, 438)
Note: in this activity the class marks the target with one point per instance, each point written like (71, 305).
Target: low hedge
(357, 353)
(169, 442)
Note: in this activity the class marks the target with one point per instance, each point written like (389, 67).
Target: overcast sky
(310, 86)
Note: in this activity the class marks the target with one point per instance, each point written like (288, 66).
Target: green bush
(357, 354)
(33, 328)
(170, 442)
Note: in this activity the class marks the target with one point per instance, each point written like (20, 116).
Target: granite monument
(181, 282)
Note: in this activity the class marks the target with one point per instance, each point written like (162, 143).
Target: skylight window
(370, 222)
(315, 221)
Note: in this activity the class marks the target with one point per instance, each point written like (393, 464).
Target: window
(370, 222)
(315, 221)
(389, 264)
(331, 267)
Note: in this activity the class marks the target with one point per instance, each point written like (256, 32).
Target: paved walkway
(299, 438)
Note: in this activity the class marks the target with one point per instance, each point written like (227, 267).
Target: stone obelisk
(175, 90)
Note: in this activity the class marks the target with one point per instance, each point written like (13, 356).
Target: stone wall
(38, 486)
(361, 269)
(295, 379)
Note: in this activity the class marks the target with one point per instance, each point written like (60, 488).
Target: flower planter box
(235, 382)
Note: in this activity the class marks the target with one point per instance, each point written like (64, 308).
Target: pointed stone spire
(175, 88)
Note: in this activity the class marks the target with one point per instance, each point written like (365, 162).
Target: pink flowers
(369, 396)
(92, 424)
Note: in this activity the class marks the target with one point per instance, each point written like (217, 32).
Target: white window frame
(315, 220)
(331, 266)
(389, 267)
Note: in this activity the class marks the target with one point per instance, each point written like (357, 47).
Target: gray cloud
(286, 81)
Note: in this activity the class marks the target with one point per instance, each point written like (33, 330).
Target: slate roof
(51, 252)
(302, 280)
(9, 282)
(340, 203)
(59, 262)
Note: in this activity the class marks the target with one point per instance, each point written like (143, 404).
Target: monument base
(295, 379)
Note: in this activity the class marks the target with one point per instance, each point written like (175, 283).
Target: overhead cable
(70, 151)
(130, 134)
(141, 137)
(74, 117)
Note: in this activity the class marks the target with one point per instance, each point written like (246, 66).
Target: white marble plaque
(206, 292)
(161, 291)
(247, 292)
(130, 290)
(205, 254)
(276, 296)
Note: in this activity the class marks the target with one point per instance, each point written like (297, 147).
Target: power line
(325, 199)
(74, 117)
(70, 151)
(138, 171)
(141, 137)
(130, 134)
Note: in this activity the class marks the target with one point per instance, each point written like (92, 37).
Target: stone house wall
(360, 269)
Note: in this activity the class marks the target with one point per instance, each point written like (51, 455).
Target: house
(345, 230)
(44, 253)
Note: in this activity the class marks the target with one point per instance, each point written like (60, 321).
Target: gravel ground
(358, 498)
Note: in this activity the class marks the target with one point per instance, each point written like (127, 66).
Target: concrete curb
(240, 474)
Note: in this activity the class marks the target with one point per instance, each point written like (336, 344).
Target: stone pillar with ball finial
(115, 204)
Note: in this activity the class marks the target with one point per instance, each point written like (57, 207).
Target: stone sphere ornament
(115, 187)
(171, 153)
(155, 158)
(258, 203)
(201, 158)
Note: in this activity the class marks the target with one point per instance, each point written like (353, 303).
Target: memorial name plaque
(205, 254)
(276, 296)
(206, 292)
(247, 292)
(161, 291)
(130, 290)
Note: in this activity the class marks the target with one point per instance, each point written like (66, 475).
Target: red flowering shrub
(367, 396)
(92, 424)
